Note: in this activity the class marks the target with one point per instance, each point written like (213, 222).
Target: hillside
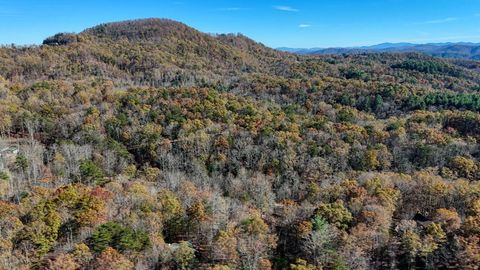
(461, 50)
(153, 51)
(150, 145)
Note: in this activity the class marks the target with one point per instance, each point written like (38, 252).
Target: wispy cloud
(439, 21)
(477, 15)
(286, 8)
(304, 25)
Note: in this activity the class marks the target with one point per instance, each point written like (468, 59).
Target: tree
(335, 214)
(254, 241)
(449, 218)
(63, 262)
(184, 256)
(318, 245)
(123, 238)
(111, 259)
(224, 247)
(91, 173)
(43, 228)
(464, 167)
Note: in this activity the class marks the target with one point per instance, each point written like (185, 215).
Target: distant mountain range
(464, 50)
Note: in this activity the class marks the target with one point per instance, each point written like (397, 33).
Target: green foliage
(377, 103)
(370, 104)
(120, 237)
(318, 223)
(346, 115)
(394, 126)
(115, 126)
(335, 214)
(4, 176)
(119, 148)
(175, 115)
(431, 67)
(446, 100)
(91, 173)
(354, 73)
(61, 39)
(339, 264)
(21, 162)
(43, 227)
(423, 155)
(184, 256)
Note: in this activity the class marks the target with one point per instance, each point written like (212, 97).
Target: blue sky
(300, 23)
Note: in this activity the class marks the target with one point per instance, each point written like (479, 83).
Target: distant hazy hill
(463, 50)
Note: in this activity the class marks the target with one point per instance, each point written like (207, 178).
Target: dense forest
(149, 145)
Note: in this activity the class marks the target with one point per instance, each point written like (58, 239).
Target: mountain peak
(152, 29)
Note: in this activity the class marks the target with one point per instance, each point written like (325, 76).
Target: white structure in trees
(8, 153)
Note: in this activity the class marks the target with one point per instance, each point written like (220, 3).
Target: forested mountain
(150, 145)
(148, 52)
(461, 50)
